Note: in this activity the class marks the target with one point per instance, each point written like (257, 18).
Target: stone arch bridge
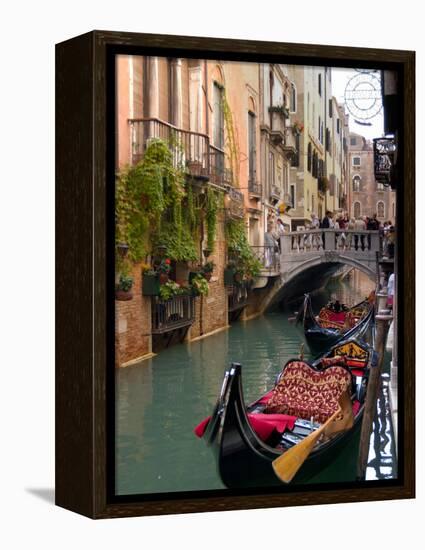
(308, 258)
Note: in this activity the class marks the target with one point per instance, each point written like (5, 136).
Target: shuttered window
(218, 115)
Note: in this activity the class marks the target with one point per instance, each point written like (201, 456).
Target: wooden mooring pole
(374, 383)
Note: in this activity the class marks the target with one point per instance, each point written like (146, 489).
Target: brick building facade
(367, 197)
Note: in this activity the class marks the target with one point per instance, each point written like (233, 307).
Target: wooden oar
(288, 464)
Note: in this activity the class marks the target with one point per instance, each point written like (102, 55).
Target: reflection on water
(160, 400)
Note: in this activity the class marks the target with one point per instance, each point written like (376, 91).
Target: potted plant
(168, 290)
(150, 282)
(280, 110)
(123, 289)
(207, 270)
(199, 285)
(163, 269)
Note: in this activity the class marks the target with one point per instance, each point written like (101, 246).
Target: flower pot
(123, 295)
(163, 278)
(150, 285)
(229, 276)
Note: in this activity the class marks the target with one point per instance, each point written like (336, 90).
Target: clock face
(363, 96)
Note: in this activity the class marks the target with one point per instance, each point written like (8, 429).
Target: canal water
(160, 400)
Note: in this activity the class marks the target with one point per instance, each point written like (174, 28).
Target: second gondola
(334, 323)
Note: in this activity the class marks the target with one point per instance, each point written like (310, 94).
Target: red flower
(168, 261)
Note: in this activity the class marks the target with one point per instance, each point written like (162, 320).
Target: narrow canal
(160, 401)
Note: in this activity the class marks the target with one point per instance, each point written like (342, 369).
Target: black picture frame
(85, 166)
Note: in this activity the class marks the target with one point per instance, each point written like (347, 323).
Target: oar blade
(288, 464)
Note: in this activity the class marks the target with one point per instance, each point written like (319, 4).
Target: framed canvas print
(235, 274)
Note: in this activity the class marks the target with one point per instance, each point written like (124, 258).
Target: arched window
(357, 210)
(218, 115)
(357, 183)
(380, 208)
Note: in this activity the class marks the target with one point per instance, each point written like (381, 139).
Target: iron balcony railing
(172, 314)
(219, 174)
(191, 150)
(255, 188)
(236, 203)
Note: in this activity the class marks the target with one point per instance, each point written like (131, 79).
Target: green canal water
(160, 400)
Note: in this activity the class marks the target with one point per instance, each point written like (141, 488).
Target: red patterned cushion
(305, 392)
(332, 319)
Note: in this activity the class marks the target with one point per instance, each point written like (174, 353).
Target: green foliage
(125, 283)
(211, 217)
(279, 109)
(241, 252)
(232, 148)
(179, 243)
(131, 221)
(148, 206)
(200, 285)
(208, 267)
(171, 289)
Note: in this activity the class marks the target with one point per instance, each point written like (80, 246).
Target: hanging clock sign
(363, 96)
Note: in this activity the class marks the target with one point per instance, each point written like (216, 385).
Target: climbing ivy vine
(240, 251)
(149, 202)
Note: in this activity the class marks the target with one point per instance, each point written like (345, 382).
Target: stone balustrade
(320, 240)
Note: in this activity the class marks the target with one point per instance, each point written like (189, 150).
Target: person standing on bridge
(316, 241)
(327, 222)
(350, 227)
(270, 244)
(372, 225)
(280, 232)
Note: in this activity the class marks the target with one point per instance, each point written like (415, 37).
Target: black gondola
(244, 460)
(321, 332)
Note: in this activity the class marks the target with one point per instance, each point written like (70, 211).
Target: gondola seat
(341, 320)
(305, 392)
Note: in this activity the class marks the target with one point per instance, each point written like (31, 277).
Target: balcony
(191, 150)
(219, 174)
(255, 189)
(274, 194)
(173, 314)
(290, 146)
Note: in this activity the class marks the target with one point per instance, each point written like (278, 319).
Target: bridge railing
(338, 240)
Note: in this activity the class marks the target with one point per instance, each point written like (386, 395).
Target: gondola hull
(243, 460)
(319, 339)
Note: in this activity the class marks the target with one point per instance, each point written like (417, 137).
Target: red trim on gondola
(262, 424)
